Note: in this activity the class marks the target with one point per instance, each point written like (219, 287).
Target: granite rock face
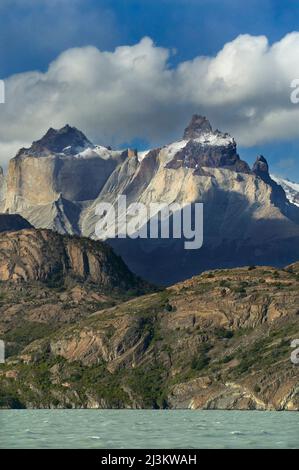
(62, 166)
(247, 217)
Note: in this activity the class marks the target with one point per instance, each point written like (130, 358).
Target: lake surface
(97, 429)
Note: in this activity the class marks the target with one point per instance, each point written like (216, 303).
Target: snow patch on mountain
(291, 189)
(210, 138)
(97, 151)
(216, 139)
(170, 150)
(142, 155)
(167, 152)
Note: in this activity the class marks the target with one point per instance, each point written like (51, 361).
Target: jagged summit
(55, 186)
(201, 131)
(63, 162)
(261, 167)
(68, 140)
(203, 147)
(278, 196)
(61, 140)
(198, 126)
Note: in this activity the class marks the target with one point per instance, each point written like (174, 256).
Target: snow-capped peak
(213, 139)
(200, 130)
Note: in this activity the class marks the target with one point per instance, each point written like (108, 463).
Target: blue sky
(34, 32)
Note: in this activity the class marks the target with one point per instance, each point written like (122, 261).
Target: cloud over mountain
(133, 92)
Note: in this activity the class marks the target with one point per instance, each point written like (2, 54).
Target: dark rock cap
(261, 165)
(57, 140)
(198, 126)
(261, 168)
(68, 140)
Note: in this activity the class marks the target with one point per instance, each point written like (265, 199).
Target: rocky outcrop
(67, 140)
(261, 169)
(42, 255)
(221, 340)
(198, 126)
(198, 155)
(207, 148)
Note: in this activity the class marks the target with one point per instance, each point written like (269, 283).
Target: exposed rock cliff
(221, 340)
(62, 166)
(59, 181)
(203, 147)
(42, 255)
(247, 217)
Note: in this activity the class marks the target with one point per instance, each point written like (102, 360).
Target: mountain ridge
(246, 213)
(41, 255)
(220, 340)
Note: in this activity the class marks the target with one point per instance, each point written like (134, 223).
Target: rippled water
(147, 429)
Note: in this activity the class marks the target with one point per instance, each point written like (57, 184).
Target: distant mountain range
(81, 330)
(250, 217)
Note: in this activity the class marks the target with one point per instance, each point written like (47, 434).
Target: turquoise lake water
(98, 429)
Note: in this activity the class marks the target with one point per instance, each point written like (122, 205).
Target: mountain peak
(67, 140)
(198, 125)
(261, 167)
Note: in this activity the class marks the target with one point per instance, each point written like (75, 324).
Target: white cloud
(132, 92)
